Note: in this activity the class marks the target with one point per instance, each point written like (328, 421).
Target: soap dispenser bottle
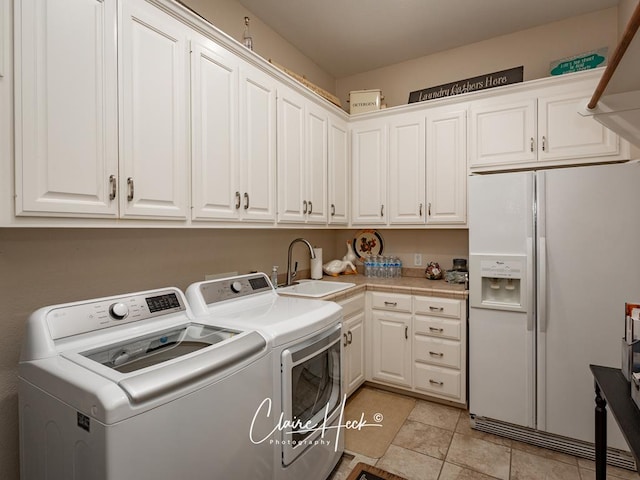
(274, 276)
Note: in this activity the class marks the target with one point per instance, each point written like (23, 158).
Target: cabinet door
(369, 177)
(339, 172)
(564, 133)
(391, 349)
(407, 169)
(354, 353)
(257, 144)
(214, 136)
(503, 134)
(292, 201)
(446, 167)
(316, 164)
(154, 105)
(66, 137)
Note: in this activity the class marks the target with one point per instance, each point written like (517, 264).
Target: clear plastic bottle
(274, 276)
(247, 39)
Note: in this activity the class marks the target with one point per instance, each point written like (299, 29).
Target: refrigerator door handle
(529, 278)
(542, 284)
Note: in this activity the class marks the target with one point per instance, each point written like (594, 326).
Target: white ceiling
(345, 37)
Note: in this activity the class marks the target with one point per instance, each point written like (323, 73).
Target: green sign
(584, 61)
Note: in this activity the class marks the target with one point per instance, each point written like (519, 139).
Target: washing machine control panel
(223, 289)
(82, 317)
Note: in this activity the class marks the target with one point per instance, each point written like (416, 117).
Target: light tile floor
(437, 442)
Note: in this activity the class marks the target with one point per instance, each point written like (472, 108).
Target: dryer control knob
(236, 287)
(118, 311)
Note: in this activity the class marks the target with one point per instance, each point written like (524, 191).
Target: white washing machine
(132, 387)
(304, 335)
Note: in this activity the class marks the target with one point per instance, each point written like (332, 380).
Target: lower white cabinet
(353, 343)
(391, 338)
(419, 343)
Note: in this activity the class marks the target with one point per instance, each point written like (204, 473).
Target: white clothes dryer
(131, 387)
(306, 408)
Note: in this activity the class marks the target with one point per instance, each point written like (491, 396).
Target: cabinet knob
(420, 210)
(237, 200)
(333, 210)
(246, 201)
(350, 337)
(382, 210)
(429, 209)
(310, 207)
(304, 207)
(406, 332)
(532, 144)
(544, 143)
(345, 340)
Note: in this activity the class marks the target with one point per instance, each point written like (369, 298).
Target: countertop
(406, 285)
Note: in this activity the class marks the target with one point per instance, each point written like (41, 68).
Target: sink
(314, 288)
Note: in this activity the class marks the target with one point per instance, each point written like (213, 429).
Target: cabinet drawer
(391, 301)
(437, 327)
(444, 307)
(442, 381)
(436, 351)
(352, 305)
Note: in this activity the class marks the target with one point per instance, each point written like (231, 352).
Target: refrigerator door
(589, 225)
(501, 343)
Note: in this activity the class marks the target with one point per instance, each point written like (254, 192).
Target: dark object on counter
(433, 271)
(456, 276)
(460, 264)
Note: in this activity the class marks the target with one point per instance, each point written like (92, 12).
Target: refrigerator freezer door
(501, 343)
(590, 229)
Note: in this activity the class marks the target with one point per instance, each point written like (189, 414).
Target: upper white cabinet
(446, 166)
(232, 176)
(302, 159)
(154, 105)
(540, 127)
(66, 137)
(257, 144)
(407, 164)
(339, 180)
(369, 172)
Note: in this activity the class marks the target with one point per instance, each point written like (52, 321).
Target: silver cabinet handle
(532, 144)
(420, 209)
(382, 210)
(406, 332)
(131, 189)
(436, 354)
(436, 309)
(345, 339)
(246, 201)
(310, 207)
(333, 210)
(350, 337)
(237, 200)
(112, 183)
(544, 143)
(391, 304)
(435, 382)
(304, 206)
(429, 209)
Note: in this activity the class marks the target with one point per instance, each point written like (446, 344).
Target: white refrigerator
(553, 257)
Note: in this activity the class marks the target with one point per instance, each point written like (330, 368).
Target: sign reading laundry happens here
(482, 82)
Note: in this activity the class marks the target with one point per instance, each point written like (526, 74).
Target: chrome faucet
(291, 275)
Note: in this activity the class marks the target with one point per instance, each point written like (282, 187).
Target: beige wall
(534, 48)
(228, 16)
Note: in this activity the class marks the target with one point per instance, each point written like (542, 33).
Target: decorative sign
(489, 80)
(584, 61)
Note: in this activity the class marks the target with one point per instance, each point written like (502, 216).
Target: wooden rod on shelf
(627, 36)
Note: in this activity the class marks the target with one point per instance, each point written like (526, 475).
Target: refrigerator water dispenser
(498, 282)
